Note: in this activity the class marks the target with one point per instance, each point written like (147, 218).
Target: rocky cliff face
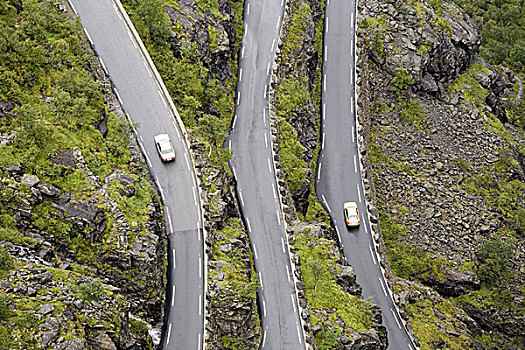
(445, 167)
(86, 238)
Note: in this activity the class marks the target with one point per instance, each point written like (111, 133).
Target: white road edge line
(240, 74)
(131, 37)
(255, 252)
(325, 202)
(118, 96)
(353, 135)
(200, 304)
(248, 224)
(173, 295)
(199, 342)
(372, 253)
(327, 25)
(298, 332)
(238, 97)
(260, 279)
(75, 10)
(288, 273)
(248, 9)
(162, 98)
(161, 191)
(324, 111)
(268, 69)
(198, 232)
(200, 267)
(273, 44)
(173, 258)
(234, 120)
(269, 165)
(103, 65)
(242, 52)
(264, 308)
(324, 82)
(194, 195)
(293, 303)
(264, 116)
(319, 172)
(382, 285)
(278, 22)
(230, 144)
(278, 217)
(282, 243)
(355, 163)
(322, 146)
(117, 11)
(325, 53)
(266, 139)
(359, 192)
(242, 200)
(88, 36)
(264, 338)
(394, 314)
(339, 236)
(169, 220)
(187, 162)
(274, 191)
(147, 68)
(169, 334)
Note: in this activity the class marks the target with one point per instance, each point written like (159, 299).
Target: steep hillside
(447, 161)
(81, 236)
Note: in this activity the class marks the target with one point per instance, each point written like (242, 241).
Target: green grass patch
(318, 269)
(408, 261)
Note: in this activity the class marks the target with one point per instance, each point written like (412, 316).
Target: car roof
(162, 137)
(348, 205)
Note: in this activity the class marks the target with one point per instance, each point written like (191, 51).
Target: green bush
(502, 25)
(402, 80)
(91, 291)
(6, 262)
(494, 255)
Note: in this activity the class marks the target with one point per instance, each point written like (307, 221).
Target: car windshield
(167, 150)
(165, 147)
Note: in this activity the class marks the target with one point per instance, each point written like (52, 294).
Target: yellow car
(351, 214)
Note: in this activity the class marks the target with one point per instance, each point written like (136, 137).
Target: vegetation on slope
(425, 183)
(53, 95)
(502, 25)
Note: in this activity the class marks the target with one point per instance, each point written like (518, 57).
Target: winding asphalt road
(338, 170)
(253, 167)
(140, 92)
